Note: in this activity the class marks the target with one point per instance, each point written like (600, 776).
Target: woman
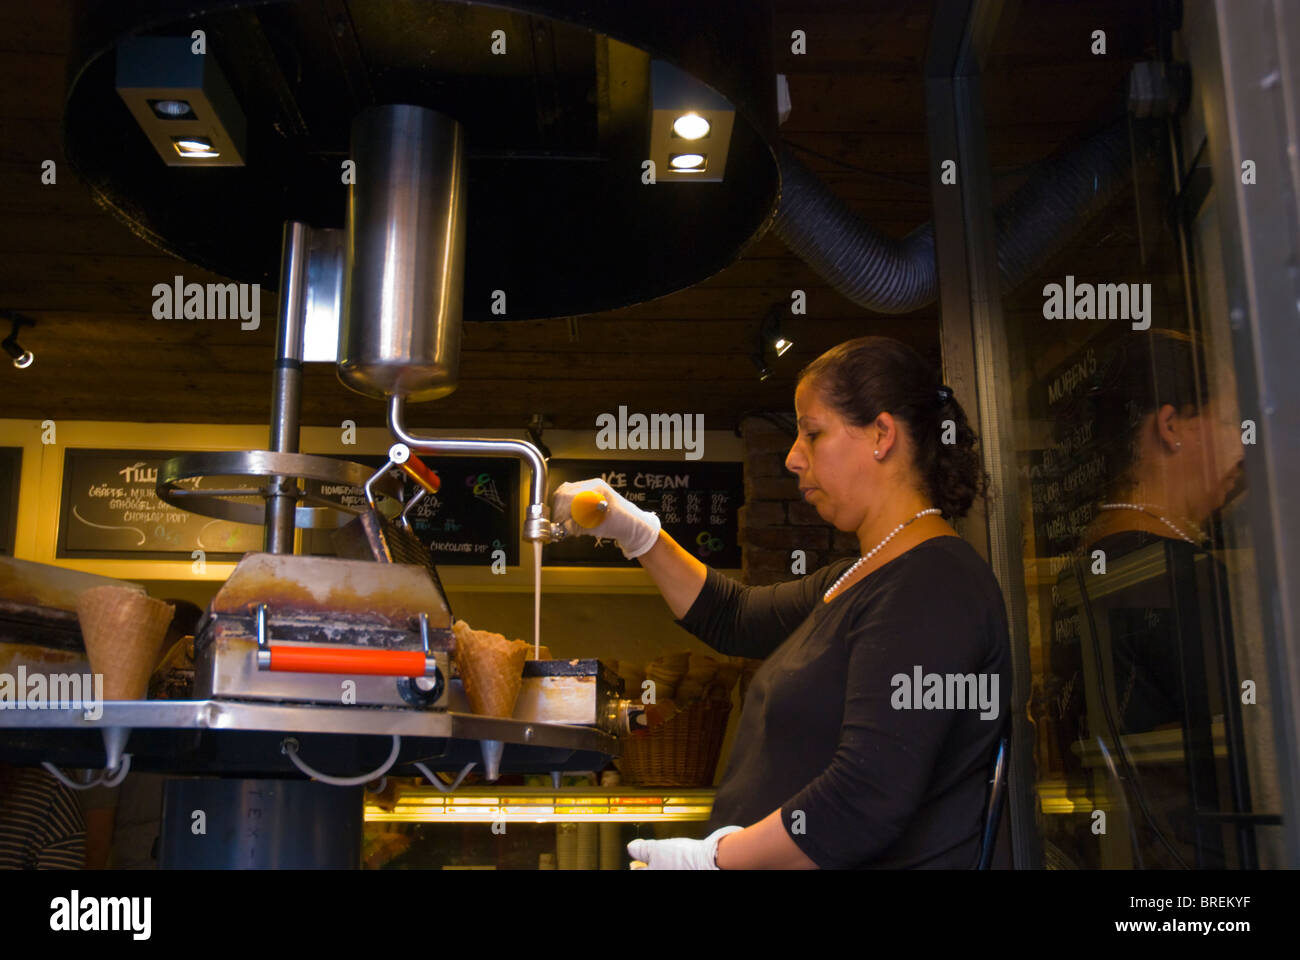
(831, 766)
(1153, 651)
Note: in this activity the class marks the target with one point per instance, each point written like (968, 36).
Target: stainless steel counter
(245, 738)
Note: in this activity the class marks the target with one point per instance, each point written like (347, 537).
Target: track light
(773, 333)
(772, 339)
(535, 427)
(22, 358)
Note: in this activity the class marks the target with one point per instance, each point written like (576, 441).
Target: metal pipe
(975, 328)
(286, 390)
(536, 524)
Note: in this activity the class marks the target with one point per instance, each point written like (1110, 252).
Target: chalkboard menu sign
(316, 541)
(110, 510)
(1067, 481)
(11, 464)
(1068, 478)
(696, 502)
(474, 513)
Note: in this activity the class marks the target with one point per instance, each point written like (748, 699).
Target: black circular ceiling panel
(556, 119)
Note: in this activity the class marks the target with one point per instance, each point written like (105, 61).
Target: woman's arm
(764, 846)
(679, 576)
(734, 619)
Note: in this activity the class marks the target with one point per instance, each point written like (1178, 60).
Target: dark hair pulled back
(863, 378)
(1139, 374)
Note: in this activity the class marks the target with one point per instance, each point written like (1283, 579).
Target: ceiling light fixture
(682, 109)
(536, 424)
(771, 335)
(181, 101)
(194, 147)
(172, 109)
(691, 126)
(22, 359)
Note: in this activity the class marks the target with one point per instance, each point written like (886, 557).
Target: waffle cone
(491, 668)
(123, 630)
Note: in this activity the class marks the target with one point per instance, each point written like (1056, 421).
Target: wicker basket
(683, 752)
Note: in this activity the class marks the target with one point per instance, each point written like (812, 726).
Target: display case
(533, 824)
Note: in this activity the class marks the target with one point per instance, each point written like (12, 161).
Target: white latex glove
(636, 530)
(679, 853)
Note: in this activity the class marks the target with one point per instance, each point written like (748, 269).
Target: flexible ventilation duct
(890, 275)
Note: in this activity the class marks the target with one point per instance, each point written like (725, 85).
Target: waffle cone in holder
(123, 630)
(491, 668)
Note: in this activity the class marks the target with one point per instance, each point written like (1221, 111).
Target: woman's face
(831, 458)
(1212, 442)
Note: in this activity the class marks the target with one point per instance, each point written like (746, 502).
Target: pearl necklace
(1142, 508)
(826, 597)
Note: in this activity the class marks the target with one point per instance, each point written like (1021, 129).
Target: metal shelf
(241, 738)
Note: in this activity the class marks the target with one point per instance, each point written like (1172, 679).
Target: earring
(877, 452)
(1178, 444)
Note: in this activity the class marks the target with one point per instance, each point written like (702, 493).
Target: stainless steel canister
(400, 333)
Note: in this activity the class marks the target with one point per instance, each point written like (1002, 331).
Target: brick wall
(775, 520)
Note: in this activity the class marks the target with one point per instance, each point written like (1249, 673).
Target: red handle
(378, 663)
(417, 471)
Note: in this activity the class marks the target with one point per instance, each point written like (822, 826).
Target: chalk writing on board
(475, 510)
(111, 509)
(696, 504)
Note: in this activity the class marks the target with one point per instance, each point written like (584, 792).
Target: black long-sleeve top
(859, 782)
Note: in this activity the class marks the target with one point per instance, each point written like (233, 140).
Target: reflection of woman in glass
(1175, 450)
(1154, 644)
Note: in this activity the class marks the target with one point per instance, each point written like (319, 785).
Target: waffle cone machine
(314, 676)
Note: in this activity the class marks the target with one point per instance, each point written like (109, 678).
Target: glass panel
(1151, 750)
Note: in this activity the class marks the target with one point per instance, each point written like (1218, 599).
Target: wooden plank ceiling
(858, 120)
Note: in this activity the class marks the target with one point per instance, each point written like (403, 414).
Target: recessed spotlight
(194, 147)
(172, 109)
(691, 126)
(687, 161)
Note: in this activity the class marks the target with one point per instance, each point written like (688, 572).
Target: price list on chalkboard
(1067, 481)
(1068, 478)
(697, 503)
(474, 513)
(110, 510)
